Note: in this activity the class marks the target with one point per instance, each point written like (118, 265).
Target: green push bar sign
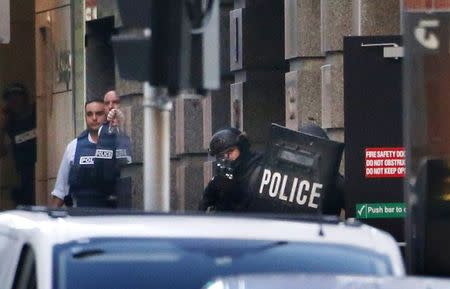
(380, 210)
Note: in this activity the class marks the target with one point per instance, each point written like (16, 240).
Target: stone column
(256, 58)
(217, 105)
(216, 113)
(189, 154)
(302, 50)
(381, 17)
(336, 23)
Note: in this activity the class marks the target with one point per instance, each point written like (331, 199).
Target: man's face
(95, 115)
(111, 100)
(230, 154)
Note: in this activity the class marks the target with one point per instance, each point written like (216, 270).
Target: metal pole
(157, 107)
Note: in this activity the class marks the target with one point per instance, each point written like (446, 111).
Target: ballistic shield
(298, 170)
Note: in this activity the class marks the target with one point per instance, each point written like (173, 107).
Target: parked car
(326, 281)
(83, 249)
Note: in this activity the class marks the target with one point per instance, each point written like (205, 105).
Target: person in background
(113, 150)
(334, 201)
(18, 122)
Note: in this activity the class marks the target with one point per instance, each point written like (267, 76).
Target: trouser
(24, 194)
(91, 198)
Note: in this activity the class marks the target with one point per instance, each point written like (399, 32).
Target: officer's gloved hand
(224, 168)
(223, 185)
(224, 179)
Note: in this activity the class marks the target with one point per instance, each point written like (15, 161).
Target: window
(191, 263)
(25, 277)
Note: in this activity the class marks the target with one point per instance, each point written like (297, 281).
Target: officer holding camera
(236, 168)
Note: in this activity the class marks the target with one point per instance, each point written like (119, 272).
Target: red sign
(90, 10)
(385, 162)
(91, 3)
(426, 4)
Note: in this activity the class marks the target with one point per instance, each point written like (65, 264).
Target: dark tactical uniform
(22, 132)
(231, 187)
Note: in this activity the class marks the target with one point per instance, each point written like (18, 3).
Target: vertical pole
(157, 109)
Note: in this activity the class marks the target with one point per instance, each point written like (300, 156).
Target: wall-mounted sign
(90, 10)
(383, 162)
(380, 210)
(4, 22)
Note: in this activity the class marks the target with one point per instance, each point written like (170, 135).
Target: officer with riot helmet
(18, 121)
(334, 201)
(236, 167)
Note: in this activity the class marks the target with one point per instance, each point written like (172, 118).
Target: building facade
(281, 61)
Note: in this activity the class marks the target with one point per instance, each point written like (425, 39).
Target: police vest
(105, 160)
(112, 152)
(82, 171)
(123, 150)
(86, 188)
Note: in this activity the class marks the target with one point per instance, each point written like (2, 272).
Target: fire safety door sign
(384, 162)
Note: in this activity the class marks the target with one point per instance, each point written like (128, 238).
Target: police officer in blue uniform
(77, 175)
(18, 120)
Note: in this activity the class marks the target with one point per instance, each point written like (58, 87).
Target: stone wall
(314, 32)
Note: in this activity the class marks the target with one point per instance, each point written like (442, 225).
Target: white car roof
(69, 228)
(41, 228)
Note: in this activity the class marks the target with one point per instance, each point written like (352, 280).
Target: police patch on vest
(25, 136)
(122, 154)
(104, 154)
(87, 160)
(299, 192)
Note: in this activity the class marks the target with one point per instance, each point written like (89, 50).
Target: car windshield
(191, 263)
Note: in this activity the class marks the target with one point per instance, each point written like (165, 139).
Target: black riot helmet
(227, 138)
(314, 130)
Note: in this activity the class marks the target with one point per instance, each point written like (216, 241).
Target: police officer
(18, 121)
(113, 148)
(112, 133)
(237, 166)
(334, 201)
(77, 174)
